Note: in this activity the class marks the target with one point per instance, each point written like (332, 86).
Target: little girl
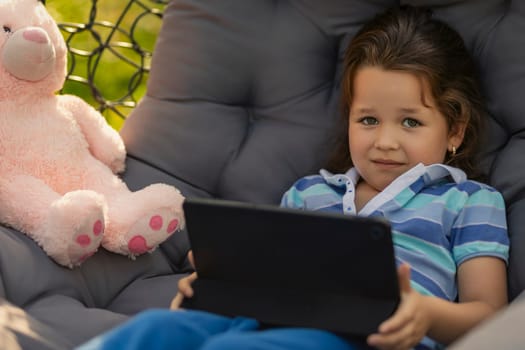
(412, 121)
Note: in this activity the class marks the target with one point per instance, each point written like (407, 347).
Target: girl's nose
(386, 139)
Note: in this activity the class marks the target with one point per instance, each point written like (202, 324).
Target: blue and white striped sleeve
(481, 227)
(303, 190)
(292, 198)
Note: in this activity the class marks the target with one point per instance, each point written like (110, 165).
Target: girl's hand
(409, 324)
(185, 290)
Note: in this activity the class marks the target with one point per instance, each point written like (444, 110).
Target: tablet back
(288, 267)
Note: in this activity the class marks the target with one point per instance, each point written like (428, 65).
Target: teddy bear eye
(7, 29)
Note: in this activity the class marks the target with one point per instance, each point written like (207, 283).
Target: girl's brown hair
(409, 39)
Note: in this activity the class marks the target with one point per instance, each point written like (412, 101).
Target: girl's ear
(456, 135)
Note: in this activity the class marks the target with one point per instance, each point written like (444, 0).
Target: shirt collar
(432, 174)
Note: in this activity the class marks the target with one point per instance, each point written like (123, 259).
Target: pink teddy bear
(59, 157)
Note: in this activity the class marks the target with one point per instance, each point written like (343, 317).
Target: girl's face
(394, 125)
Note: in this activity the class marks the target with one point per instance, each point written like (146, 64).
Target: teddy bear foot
(85, 243)
(75, 228)
(151, 230)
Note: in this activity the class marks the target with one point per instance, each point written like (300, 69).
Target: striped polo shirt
(439, 219)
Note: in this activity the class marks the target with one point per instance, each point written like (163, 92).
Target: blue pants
(192, 330)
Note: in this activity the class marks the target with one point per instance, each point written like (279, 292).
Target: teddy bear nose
(28, 54)
(36, 35)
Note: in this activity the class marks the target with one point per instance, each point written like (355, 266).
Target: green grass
(112, 76)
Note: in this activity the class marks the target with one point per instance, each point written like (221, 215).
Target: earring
(453, 151)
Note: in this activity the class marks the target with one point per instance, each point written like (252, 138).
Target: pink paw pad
(83, 240)
(84, 236)
(172, 226)
(156, 222)
(137, 245)
(97, 228)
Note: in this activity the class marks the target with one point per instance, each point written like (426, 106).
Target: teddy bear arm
(104, 142)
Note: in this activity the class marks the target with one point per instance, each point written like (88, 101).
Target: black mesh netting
(110, 52)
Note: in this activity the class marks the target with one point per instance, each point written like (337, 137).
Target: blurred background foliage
(111, 43)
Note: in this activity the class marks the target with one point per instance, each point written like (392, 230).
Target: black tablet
(289, 267)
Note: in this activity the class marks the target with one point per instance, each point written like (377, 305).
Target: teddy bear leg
(69, 228)
(141, 220)
(75, 227)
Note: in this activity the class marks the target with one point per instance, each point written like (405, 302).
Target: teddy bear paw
(86, 240)
(151, 230)
(74, 227)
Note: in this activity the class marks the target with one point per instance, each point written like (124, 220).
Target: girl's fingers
(177, 301)
(391, 341)
(396, 321)
(185, 290)
(403, 313)
(185, 285)
(403, 276)
(190, 258)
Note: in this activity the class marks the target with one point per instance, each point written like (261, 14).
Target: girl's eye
(410, 123)
(368, 120)
(7, 29)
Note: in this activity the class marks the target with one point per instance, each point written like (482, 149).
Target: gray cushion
(78, 304)
(241, 101)
(19, 330)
